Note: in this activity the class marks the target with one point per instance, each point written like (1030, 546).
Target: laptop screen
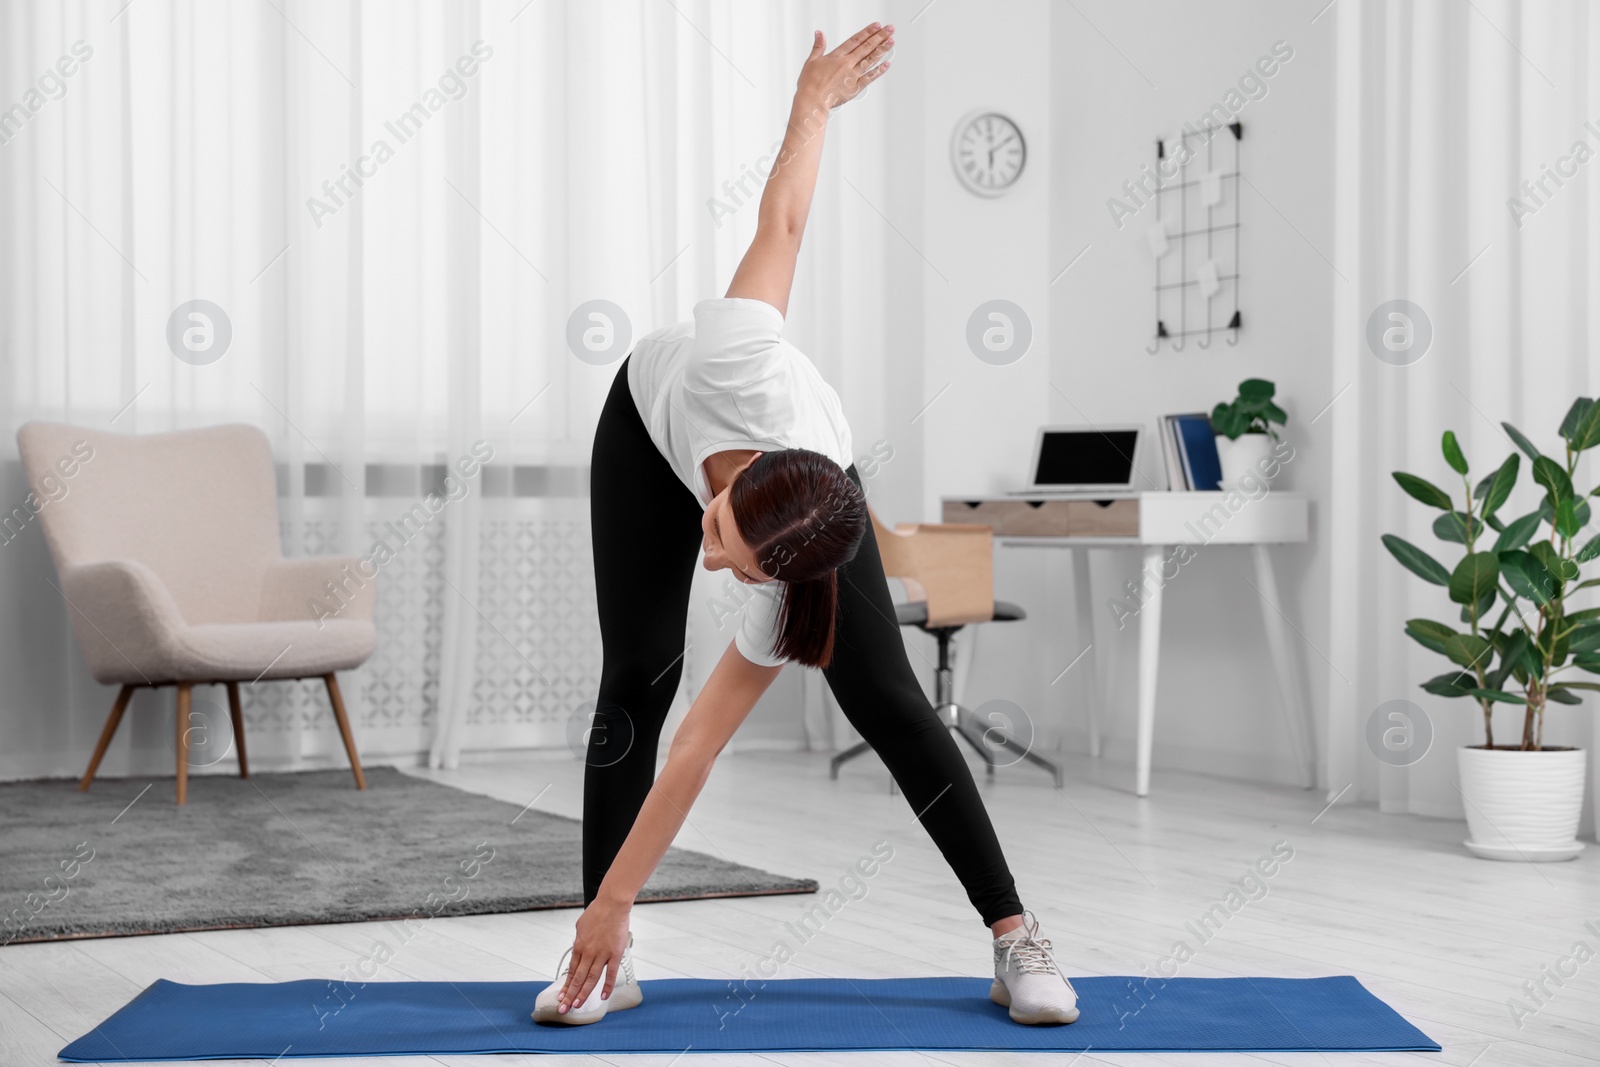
(1086, 457)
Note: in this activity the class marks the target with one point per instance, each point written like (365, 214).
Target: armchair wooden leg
(106, 734)
(183, 742)
(344, 728)
(237, 713)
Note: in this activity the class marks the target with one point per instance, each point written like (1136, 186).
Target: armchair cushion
(247, 651)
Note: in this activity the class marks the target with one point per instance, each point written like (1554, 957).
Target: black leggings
(647, 542)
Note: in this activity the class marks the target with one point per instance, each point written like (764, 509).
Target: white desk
(1159, 523)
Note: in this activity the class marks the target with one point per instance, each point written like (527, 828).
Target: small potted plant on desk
(1244, 430)
(1518, 636)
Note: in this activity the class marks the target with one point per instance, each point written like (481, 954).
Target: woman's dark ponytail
(803, 518)
(807, 619)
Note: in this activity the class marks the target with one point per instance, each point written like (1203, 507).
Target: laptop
(1083, 461)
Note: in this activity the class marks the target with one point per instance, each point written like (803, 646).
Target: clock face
(988, 153)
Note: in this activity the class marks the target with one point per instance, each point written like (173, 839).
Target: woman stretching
(720, 437)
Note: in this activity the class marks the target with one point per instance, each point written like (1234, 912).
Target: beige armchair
(948, 573)
(168, 556)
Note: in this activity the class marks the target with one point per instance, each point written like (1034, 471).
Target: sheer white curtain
(397, 206)
(1444, 110)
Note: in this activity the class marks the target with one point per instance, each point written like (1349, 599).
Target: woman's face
(724, 548)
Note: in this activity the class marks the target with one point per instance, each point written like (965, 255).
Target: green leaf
(1457, 684)
(1581, 685)
(1430, 634)
(1227, 420)
(1499, 696)
(1513, 650)
(1588, 433)
(1469, 651)
(1452, 453)
(1560, 568)
(1586, 638)
(1275, 414)
(1257, 389)
(1526, 576)
(1479, 610)
(1580, 509)
(1416, 561)
(1454, 526)
(1520, 441)
(1553, 476)
(1567, 524)
(1424, 491)
(1589, 551)
(1562, 696)
(1519, 532)
(1505, 479)
(1475, 573)
(1574, 419)
(1587, 661)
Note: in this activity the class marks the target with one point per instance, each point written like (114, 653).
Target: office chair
(948, 572)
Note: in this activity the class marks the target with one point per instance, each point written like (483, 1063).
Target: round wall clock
(988, 153)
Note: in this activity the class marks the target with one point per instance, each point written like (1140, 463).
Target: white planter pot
(1245, 457)
(1522, 805)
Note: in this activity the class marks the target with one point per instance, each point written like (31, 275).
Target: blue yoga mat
(171, 1021)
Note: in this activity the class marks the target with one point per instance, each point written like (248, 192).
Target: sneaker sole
(551, 1014)
(1050, 1016)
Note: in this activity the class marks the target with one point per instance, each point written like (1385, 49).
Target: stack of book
(1190, 448)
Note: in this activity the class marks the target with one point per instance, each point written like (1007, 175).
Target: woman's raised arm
(827, 80)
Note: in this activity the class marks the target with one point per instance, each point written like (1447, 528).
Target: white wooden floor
(1444, 938)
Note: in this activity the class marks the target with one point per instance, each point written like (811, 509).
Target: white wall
(1219, 708)
(1092, 118)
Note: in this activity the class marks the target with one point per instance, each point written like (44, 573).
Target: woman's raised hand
(832, 78)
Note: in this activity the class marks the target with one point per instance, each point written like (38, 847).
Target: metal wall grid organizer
(1180, 304)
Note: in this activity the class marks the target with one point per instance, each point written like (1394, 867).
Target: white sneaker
(1027, 980)
(624, 995)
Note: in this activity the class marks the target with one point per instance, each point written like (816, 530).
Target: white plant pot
(1522, 805)
(1247, 456)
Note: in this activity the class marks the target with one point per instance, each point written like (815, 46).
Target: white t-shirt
(728, 380)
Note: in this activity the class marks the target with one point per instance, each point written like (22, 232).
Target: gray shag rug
(290, 849)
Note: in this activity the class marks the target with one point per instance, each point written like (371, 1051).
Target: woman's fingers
(871, 59)
(855, 41)
(872, 40)
(595, 973)
(577, 972)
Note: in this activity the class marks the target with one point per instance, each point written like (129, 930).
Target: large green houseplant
(1516, 639)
